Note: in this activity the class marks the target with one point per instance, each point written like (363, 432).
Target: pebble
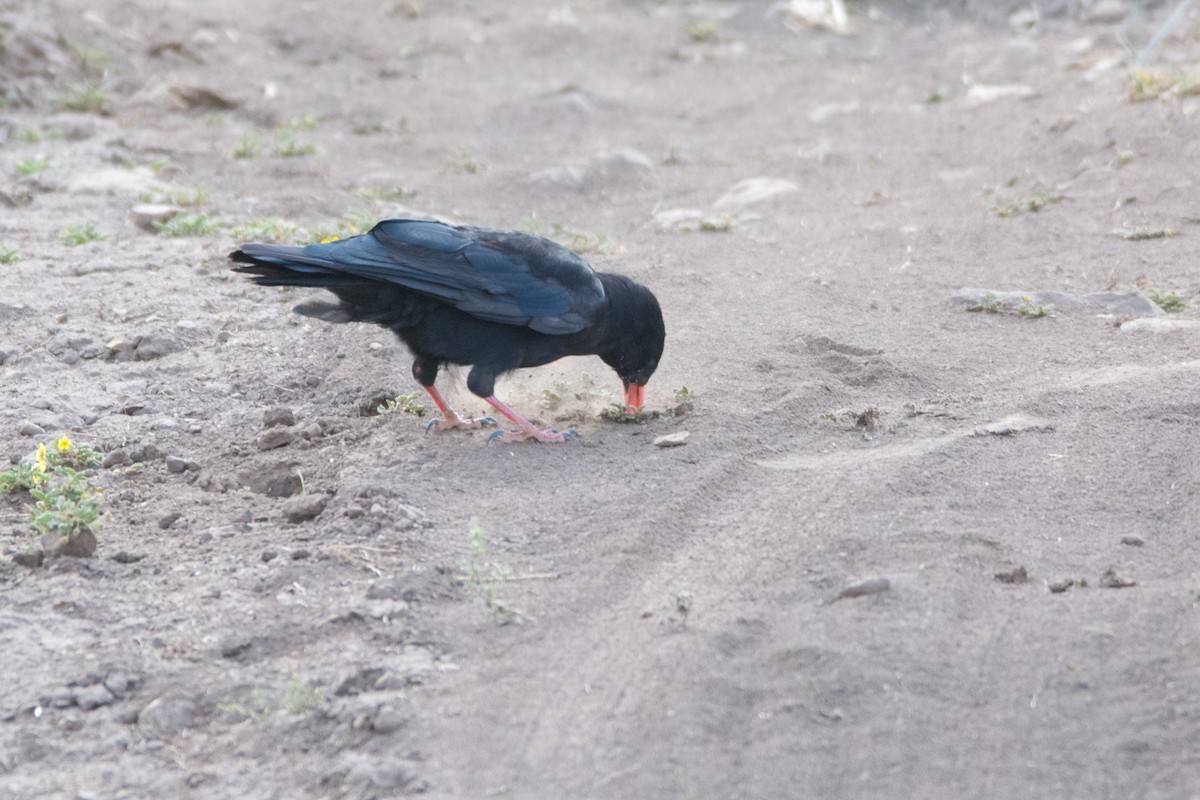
(279, 415)
(145, 215)
(676, 439)
(1133, 541)
(93, 697)
(116, 458)
(1014, 423)
(303, 508)
(168, 520)
(276, 438)
(126, 557)
(167, 716)
(752, 191)
(1018, 575)
(27, 428)
(1111, 580)
(863, 588)
(177, 465)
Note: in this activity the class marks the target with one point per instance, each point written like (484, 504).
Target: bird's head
(639, 344)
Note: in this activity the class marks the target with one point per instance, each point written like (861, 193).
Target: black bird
(496, 300)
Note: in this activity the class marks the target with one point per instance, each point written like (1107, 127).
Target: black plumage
(496, 300)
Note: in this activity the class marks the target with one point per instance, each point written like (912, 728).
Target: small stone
(167, 716)
(387, 720)
(116, 458)
(27, 428)
(147, 452)
(168, 520)
(235, 648)
(93, 697)
(1058, 587)
(752, 191)
(126, 557)
(121, 683)
(278, 416)
(1013, 424)
(33, 559)
(300, 555)
(1018, 575)
(1133, 541)
(863, 588)
(1111, 580)
(79, 544)
(676, 439)
(177, 465)
(304, 507)
(268, 555)
(276, 438)
(145, 215)
(310, 431)
(153, 346)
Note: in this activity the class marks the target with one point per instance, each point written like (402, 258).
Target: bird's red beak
(634, 397)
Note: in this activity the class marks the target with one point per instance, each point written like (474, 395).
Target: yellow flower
(39, 458)
(333, 237)
(63, 444)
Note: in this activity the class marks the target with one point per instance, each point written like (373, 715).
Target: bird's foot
(458, 422)
(524, 435)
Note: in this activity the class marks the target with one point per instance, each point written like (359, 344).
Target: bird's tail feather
(286, 265)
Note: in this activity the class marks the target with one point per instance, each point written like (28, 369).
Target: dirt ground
(819, 595)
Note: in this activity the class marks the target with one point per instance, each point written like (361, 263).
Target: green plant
(258, 710)
(617, 412)
(27, 136)
(187, 225)
(21, 478)
(79, 233)
(1170, 302)
(180, 196)
(482, 574)
(86, 97)
(1043, 194)
(31, 165)
(1031, 310)
(67, 504)
(404, 403)
(287, 145)
(10, 255)
(702, 30)
(300, 697)
(988, 303)
(248, 145)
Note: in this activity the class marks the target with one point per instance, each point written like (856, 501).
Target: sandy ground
(819, 595)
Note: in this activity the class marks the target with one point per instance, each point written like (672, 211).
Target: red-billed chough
(496, 300)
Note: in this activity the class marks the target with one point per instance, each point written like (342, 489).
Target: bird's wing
(501, 276)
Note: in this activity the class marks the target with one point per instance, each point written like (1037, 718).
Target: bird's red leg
(450, 418)
(528, 429)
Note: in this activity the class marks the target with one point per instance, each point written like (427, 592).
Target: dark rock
(167, 716)
(268, 555)
(236, 648)
(1018, 575)
(125, 557)
(168, 520)
(304, 507)
(300, 555)
(33, 558)
(116, 458)
(27, 428)
(276, 438)
(277, 480)
(1133, 541)
(153, 346)
(177, 465)
(278, 416)
(863, 588)
(147, 452)
(121, 683)
(1111, 580)
(93, 697)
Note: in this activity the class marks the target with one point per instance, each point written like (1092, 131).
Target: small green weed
(482, 575)
(258, 710)
(1043, 195)
(616, 412)
(988, 304)
(84, 97)
(1170, 302)
(288, 145)
(301, 697)
(404, 403)
(10, 255)
(32, 165)
(67, 504)
(187, 225)
(79, 233)
(702, 30)
(248, 145)
(189, 197)
(1031, 310)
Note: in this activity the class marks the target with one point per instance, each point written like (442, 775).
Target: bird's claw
(432, 423)
(551, 435)
(493, 436)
